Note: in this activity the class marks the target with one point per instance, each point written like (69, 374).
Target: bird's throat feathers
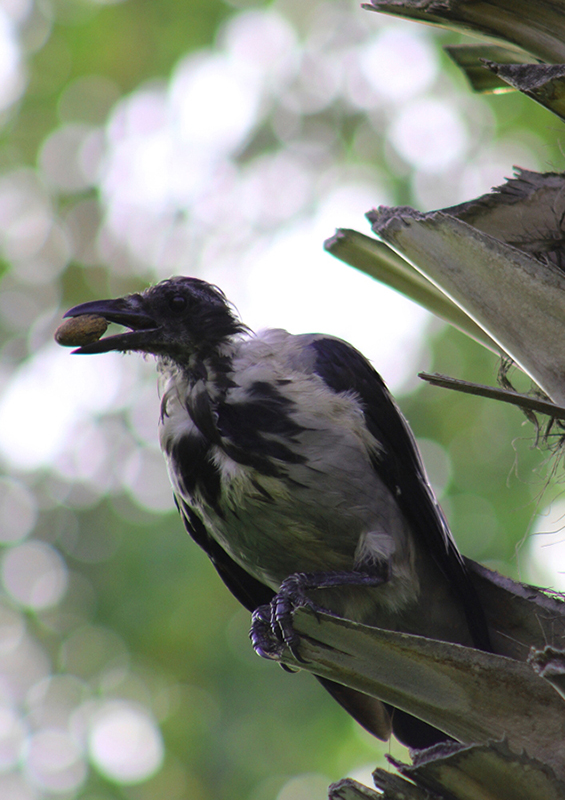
(195, 375)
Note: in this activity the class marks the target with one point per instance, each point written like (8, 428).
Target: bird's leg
(272, 627)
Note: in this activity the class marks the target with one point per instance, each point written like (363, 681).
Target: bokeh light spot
(14, 786)
(145, 475)
(222, 125)
(47, 397)
(60, 157)
(21, 667)
(543, 560)
(34, 574)
(399, 64)
(90, 649)
(54, 762)
(12, 628)
(13, 734)
(429, 134)
(18, 511)
(125, 743)
(262, 40)
(11, 76)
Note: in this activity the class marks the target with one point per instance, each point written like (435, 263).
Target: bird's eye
(177, 303)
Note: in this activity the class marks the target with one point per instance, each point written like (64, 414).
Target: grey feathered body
(325, 510)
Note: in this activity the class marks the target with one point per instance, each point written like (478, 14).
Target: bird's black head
(175, 318)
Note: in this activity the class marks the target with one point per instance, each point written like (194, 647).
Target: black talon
(263, 638)
(272, 628)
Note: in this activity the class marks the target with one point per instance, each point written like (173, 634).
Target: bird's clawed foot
(272, 629)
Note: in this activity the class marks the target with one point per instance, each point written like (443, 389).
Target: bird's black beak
(127, 311)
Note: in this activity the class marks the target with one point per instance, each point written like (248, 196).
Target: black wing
(400, 468)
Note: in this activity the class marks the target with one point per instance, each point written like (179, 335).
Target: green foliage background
(148, 620)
